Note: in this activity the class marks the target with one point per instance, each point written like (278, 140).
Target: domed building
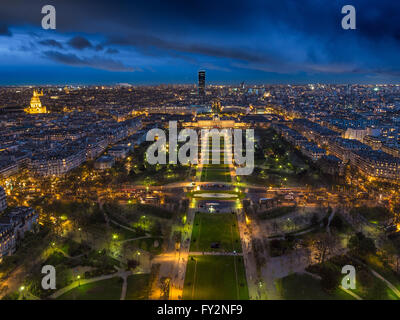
(36, 105)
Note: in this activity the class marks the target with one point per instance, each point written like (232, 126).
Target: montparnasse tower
(35, 105)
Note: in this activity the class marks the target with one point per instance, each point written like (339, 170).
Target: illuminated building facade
(376, 165)
(35, 106)
(58, 164)
(13, 226)
(3, 200)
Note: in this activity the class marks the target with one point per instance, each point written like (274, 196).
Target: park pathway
(134, 239)
(214, 253)
(377, 275)
(124, 286)
(389, 284)
(173, 262)
(328, 229)
(78, 283)
(351, 293)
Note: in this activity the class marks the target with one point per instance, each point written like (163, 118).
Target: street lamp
(21, 289)
(79, 279)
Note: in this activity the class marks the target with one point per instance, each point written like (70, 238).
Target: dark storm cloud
(51, 43)
(147, 41)
(4, 31)
(98, 47)
(79, 43)
(182, 16)
(93, 62)
(112, 51)
(288, 36)
(28, 47)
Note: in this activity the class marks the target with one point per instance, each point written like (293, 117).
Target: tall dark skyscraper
(202, 83)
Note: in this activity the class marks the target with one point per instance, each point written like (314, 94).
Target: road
(173, 261)
(255, 292)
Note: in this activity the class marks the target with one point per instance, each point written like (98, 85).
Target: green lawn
(215, 174)
(368, 286)
(374, 262)
(215, 278)
(138, 287)
(305, 287)
(276, 212)
(109, 289)
(217, 227)
(374, 215)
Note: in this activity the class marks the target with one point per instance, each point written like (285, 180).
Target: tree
(164, 285)
(337, 223)
(330, 279)
(325, 244)
(361, 244)
(11, 296)
(155, 228)
(314, 219)
(367, 246)
(132, 264)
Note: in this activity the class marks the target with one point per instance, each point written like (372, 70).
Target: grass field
(305, 287)
(216, 172)
(368, 286)
(138, 287)
(218, 227)
(215, 278)
(109, 289)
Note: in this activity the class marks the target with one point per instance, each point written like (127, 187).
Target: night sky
(167, 41)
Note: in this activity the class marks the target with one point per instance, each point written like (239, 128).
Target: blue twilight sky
(168, 41)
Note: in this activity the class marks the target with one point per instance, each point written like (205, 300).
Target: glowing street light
(21, 290)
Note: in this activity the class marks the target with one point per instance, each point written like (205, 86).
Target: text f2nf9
(49, 20)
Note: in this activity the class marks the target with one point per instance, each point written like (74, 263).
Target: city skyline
(221, 151)
(89, 185)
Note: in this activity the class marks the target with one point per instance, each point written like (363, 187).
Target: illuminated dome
(35, 105)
